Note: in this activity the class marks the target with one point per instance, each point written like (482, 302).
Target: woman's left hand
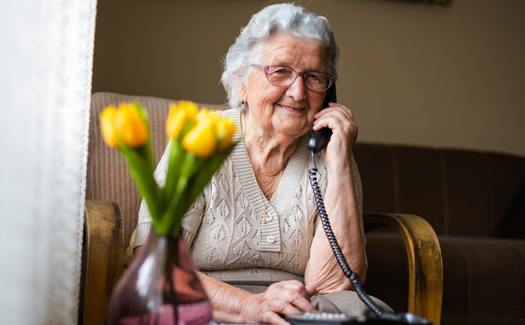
(340, 119)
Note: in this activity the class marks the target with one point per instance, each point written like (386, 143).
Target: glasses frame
(297, 74)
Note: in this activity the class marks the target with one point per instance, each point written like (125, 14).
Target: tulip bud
(225, 130)
(206, 112)
(109, 133)
(180, 118)
(131, 126)
(201, 140)
(188, 105)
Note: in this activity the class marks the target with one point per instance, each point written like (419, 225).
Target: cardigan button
(270, 239)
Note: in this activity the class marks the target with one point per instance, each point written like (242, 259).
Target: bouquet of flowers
(161, 286)
(200, 141)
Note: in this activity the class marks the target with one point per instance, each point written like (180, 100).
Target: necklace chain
(263, 215)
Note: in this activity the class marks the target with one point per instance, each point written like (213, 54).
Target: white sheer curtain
(46, 55)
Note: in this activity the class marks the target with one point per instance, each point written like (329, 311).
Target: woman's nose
(297, 90)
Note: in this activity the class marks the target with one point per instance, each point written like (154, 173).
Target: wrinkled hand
(340, 119)
(281, 298)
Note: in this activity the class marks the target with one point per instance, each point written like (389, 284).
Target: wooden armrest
(425, 265)
(104, 247)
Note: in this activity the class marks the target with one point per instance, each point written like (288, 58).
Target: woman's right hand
(280, 299)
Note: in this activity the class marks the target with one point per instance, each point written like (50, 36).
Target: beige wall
(412, 73)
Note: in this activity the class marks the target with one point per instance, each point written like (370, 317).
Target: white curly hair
(286, 17)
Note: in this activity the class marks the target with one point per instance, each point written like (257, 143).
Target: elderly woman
(253, 232)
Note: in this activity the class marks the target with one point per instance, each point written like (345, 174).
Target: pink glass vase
(160, 287)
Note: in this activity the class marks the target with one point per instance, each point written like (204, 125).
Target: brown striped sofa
(475, 201)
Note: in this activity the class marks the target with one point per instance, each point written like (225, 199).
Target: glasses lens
(317, 81)
(281, 76)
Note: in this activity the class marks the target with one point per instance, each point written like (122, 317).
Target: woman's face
(287, 110)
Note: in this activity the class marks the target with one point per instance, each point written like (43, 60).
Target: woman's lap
(346, 302)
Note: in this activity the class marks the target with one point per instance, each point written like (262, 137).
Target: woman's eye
(281, 71)
(313, 78)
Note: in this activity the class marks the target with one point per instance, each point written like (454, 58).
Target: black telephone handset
(318, 142)
(320, 139)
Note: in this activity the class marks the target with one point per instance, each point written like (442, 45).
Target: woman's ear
(241, 89)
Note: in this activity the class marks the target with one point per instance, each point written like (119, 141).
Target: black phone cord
(351, 275)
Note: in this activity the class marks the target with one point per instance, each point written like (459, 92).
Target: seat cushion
(484, 279)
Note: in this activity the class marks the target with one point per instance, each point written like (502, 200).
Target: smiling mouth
(297, 109)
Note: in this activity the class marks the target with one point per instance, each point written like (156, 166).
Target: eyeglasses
(282, 76)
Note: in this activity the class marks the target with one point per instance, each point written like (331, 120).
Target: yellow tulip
(225, 130)
(205, 112)
(201, 140)
(188, 105)
(107, 126)
(130, 125)
(179, 117)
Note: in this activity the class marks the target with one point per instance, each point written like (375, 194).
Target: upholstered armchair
(112, 205)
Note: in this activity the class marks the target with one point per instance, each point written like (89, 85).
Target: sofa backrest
(459, 192)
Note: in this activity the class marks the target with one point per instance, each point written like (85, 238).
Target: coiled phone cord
(351, 275)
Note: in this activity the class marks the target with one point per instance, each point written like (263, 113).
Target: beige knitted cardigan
(223, 229)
